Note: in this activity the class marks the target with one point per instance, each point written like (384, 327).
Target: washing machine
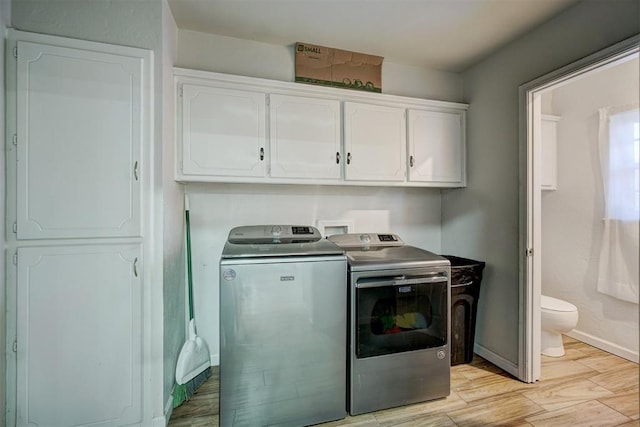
(283, 308)
(399, 322)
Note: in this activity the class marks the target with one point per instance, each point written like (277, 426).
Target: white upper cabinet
(79, 130)
(374, 141)
(436, 147)
(549, 145)
(304, 137)
(245, 129)
(223, 132)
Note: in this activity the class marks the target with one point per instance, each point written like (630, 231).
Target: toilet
(558, 317)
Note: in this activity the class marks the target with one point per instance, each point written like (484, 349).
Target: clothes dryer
(399, 322)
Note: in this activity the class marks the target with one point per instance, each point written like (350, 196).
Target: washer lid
(277, 240)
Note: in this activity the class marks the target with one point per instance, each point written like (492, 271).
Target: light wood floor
(586, 387)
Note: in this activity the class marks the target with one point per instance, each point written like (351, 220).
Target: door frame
(530, 218)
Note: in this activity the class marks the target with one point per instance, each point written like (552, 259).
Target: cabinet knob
(135, 170)
(411, 161)
(348, 158)
(338, 158)
(261, 153)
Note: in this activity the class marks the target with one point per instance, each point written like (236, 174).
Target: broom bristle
(183, 392)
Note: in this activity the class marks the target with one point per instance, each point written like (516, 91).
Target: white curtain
(619, 272)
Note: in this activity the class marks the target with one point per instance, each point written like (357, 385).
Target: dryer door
(401, 313)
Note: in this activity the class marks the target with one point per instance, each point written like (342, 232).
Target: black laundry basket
(466, 275)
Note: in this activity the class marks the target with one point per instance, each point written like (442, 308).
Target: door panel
(79, 116)
(436, 147)
(375, 142)
(305, 137)
(223, 132)
(79, 338)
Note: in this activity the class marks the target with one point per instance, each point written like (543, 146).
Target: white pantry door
(79, 116)
(79, 335)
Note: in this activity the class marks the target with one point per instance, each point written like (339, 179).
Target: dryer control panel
(355, 240)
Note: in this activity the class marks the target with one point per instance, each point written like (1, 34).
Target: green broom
(193, 367)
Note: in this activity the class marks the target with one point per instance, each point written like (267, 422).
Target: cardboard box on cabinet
(338, 68)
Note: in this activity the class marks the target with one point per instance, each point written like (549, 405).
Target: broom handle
(189, 281)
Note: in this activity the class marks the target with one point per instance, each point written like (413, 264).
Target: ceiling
(448, 35)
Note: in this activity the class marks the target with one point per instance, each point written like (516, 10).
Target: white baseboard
(168, 410)
(160, 421)
(502, 363)
(605, 345)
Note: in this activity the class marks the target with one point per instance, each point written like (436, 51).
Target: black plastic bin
(466, 275)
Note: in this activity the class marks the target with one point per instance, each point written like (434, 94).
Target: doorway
(533, 179)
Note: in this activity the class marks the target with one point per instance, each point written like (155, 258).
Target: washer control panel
(254, 234)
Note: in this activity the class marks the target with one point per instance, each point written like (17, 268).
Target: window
(620, 164)
(622, 186)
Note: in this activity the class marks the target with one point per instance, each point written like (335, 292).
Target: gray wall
(200, 51)
(482, 221)
(173, 257)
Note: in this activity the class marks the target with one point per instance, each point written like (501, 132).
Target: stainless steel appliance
(399, 322)
(283, 305)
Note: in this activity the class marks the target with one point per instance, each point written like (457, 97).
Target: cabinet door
(223, 132)
(549, 152)
(79, 131)
(375, 142)
(304, 137)
(79, 335)
(436, 147)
